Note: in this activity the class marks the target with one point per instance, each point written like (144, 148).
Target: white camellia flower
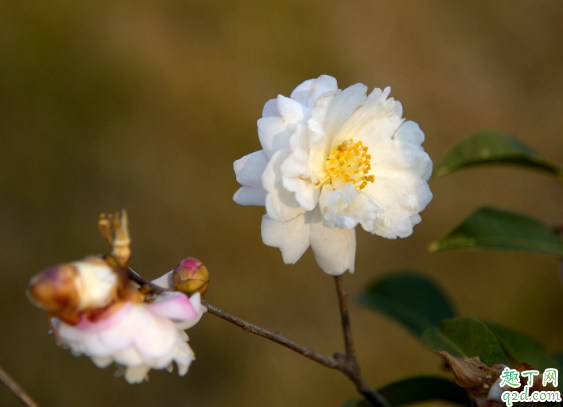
(137, 336)
(333, 159)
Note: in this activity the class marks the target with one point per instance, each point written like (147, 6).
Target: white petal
(301, 93)
(372, 122)
(271, 108)
(249, 168)
(250, 196)
(188, 324)
(334, 248)
(136, 374)
(295, 171)
(309, 91)
(282, 206)
(127, 357)
(306, 193)
(92, 346)
(164, 281)
(274, 134)
(410, 132)
(292, 111)
(401, 199)
(363, 209)
(182, 369)
(400, 159)
(291, 237)
(343, 106)
(295, 164)
(101, 362)
(334, 200)
(96, 284)
(156, 338)
(123, 335)
(195, 300)
(272, 175)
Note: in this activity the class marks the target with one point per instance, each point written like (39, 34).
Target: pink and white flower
(137, 336)
(331, 160)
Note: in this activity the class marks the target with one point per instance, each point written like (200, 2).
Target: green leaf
(353, 403)
(465, 337)
(559, 360)
(495, 229)
(411, 299)
(521, 348)
(419, 389)
(493, 147)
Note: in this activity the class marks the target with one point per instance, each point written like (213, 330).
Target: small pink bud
(190, 276)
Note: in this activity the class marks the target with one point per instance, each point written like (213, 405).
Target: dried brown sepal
(475, 377)
(114, 228)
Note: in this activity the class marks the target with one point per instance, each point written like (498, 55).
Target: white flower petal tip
(332, 160)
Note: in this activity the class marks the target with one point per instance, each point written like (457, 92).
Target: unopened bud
(54, 289)
(190, 276)
(87, 284)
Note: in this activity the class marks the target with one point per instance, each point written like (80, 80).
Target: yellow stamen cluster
(350, 161)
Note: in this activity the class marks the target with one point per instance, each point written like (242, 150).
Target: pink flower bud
(190, 276)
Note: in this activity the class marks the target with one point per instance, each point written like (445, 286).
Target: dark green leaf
(493, 147)
(419, 389)
(413, 300)
(465, 337)
(495, 229)
(559, 360)
(522, 348)
(353, 403)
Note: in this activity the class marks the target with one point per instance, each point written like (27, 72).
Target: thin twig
(142, 282)
(345, 316)
(256, 330)
(349, 364)
(16, 390)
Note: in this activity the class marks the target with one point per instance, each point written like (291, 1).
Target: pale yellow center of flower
(348, 162)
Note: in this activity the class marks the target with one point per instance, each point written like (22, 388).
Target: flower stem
(345, 316)
(349, 364)
(16, 390)
(256, 330)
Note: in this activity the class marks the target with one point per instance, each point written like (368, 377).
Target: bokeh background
(145, 104)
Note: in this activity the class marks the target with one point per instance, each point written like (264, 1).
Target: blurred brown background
(145, 104)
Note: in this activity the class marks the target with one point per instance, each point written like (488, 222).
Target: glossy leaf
(411, 299)
(559, 360)
(419, 389)
(353, 403)
(493, 147)
(465, 337)
(521, 348)
(495, 229)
